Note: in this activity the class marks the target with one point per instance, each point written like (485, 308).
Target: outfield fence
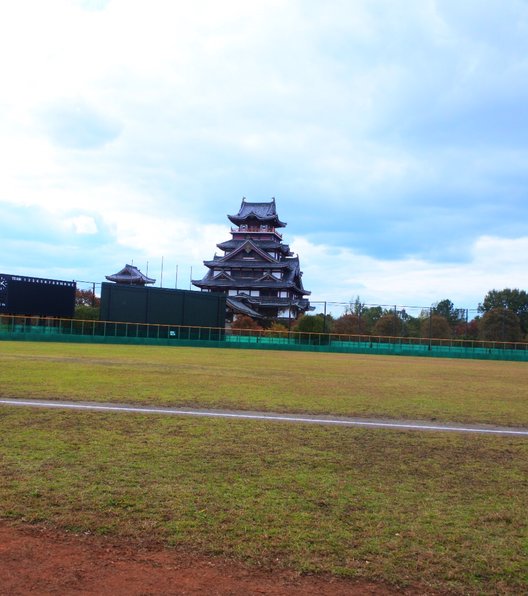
(20, 328)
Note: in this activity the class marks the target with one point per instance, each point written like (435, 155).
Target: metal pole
(430, 325)
(161, 276)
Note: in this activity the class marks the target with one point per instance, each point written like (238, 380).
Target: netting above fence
(443, 320)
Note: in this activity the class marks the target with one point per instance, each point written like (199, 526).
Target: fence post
(430, 326)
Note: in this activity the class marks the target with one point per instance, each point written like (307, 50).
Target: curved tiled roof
(130, 275)
(240, 308)
(260, 212)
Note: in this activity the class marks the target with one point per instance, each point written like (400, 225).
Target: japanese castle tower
(257, 272)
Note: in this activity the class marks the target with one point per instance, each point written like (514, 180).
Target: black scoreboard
(36, 296)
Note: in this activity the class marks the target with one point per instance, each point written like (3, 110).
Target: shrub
(312, 324)
(277, 330)
(86, 313)
(244, 325)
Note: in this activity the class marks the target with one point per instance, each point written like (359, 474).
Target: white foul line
(273, 417)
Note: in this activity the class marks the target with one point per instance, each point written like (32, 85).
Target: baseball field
(435, 511)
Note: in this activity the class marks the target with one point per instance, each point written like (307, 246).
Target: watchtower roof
(130, 275)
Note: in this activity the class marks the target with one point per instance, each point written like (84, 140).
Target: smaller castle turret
(131, 276)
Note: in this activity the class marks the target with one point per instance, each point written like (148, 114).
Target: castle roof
(292, 280)
(240, 308)
(263, 213)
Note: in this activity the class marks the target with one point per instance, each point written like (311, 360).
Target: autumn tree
(350, 324)
(389, 325)
(468, 330)
(87, 305)
(514, 300)
(243, 323)
(435, 326)
(367, 315)
(86, 298)
(500, 324)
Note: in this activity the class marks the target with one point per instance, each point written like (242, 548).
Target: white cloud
(341, 274)
(390, 131)
(178, 240)
(82, 224)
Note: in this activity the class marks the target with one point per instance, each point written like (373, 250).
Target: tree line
(503, 316)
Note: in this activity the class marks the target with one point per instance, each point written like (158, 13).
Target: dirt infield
(37, 560)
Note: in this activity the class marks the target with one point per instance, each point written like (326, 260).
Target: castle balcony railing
(257, 230)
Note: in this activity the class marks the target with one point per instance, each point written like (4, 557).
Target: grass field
(492, 392)
(441, 510)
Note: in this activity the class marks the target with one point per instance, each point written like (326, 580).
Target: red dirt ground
(37, 560)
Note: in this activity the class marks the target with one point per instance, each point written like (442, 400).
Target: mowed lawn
(437, 511)
(440, 389)
(430, 510)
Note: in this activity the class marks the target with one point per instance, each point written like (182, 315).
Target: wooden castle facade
(258, 273)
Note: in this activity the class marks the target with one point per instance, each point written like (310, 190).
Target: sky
(393, 136)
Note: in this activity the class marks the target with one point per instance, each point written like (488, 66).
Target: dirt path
(37, 560)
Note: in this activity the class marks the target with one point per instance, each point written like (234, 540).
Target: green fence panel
(71, 330)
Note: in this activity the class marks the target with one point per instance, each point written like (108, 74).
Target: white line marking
(272, 417)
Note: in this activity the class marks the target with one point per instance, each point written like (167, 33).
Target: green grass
(444, 511)
(388, 386)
